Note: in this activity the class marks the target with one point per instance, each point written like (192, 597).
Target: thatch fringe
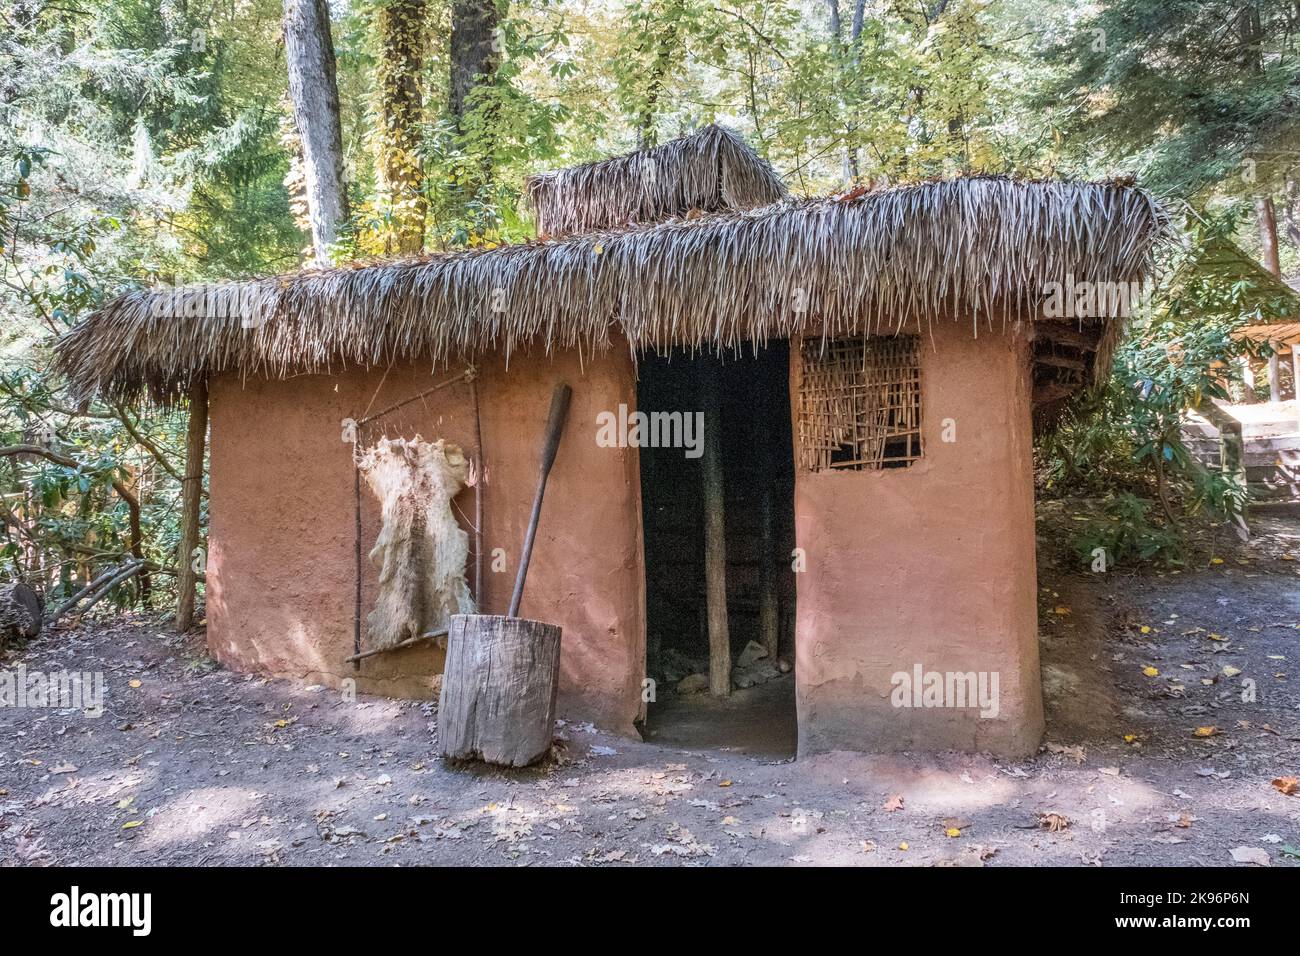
(713, 170)
(975, 249)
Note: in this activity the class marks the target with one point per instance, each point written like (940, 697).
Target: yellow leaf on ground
(1150, 671)
(1206, 731)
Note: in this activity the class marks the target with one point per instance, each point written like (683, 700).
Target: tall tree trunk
(474, 60)
(313, 87)
(1267, 218)
(849, 59)
(859, 15)
(662, 40)
(402, 33)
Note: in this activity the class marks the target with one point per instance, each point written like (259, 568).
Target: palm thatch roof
(1274, 305)
(713, 170)
(974, 249)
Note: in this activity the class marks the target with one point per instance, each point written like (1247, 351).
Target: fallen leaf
(1251, 854)
(1076, 752)
(1286, 785)
(1053, 821)
(893, 803)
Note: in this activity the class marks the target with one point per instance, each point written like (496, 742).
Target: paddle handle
(554, 426)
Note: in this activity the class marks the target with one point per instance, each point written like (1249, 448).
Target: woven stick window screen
(860, 404)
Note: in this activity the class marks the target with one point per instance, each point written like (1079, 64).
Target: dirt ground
(1156, 753)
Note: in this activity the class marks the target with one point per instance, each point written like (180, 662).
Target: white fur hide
(421, 551)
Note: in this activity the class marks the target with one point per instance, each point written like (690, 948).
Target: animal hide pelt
(421, 550)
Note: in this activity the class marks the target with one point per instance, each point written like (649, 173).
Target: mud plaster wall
(281, 560)
(931, 564)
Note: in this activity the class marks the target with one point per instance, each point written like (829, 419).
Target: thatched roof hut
(713, 170)
(885, 353)
(977, 249)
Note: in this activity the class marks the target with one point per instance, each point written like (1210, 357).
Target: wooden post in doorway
(715, 530)
(1274, 374)
(1247, 378)
(191, 497)
(769, 630)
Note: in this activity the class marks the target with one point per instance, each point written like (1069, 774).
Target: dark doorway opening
(750, 704)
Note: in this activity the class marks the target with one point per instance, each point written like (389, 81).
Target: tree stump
(498, 689)
(20, 613)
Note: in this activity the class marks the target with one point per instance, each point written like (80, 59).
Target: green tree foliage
(151, 141)
(1189, 94)
(139, 142)
(1124, 443)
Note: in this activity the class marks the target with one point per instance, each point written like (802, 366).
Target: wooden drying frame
(470, 375)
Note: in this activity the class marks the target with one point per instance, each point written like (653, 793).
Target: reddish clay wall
(281, 559)
(931, 564)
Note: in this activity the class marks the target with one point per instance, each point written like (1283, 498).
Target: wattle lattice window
(860, 403)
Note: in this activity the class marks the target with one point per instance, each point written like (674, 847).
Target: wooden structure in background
(191, 498)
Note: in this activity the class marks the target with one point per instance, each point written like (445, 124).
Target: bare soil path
(194, 765)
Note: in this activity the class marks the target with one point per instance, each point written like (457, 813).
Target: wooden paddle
(554, 426)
